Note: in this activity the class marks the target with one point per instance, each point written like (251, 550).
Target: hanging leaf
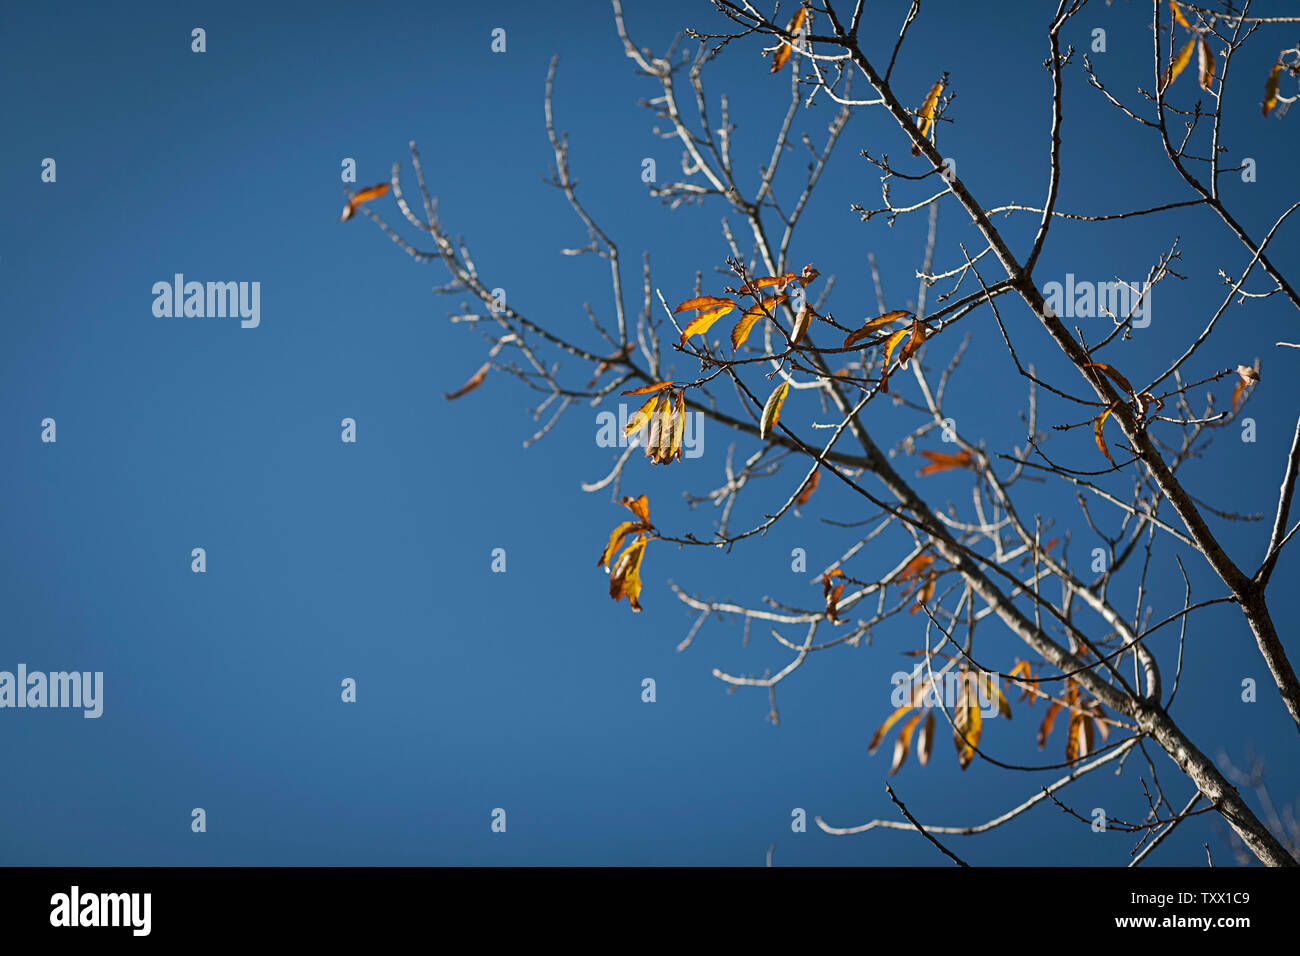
(783, 52)
(1097, 426)
(1178, 15)
(679, 429)
(871, 325)
(625, 581)
(802, 319)
(903, 742)
(883, 729)
(967, 723)
(772, 409)
(914, 342)
(616, 541)
(1270, 88)
(1205, 62)
(925, 742)
(944, 461)
(367, 194)
(1049, 719)
(474, 382)
(640, 417)
(1115, 376)
(809, 487)
(1246, 376)
(924, 595)
(832, 595)
(1179, 64)
(926, 114)
(759, 310)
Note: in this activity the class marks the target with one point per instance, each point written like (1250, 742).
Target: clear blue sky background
(325, 560)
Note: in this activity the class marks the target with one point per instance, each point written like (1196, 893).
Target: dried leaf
(809, 487)
(903, 742)
(1115, 376)
(892, 342)
(807, 275)
(871, 325)
(783, 53)
(1270, 88)
(641, 416)
(625, 581)
(925, 742)
(704, 321)
(924, 595)
(367, 194)
(1205, 62)
(701, 302)
(914, 342)
(802, 319)
(778, 281)
(649, 389)
(944, 461)
(967, 725)
(883, 729)
(759, 310)
(1049, 719)
(926, 113)
(616, 541)
(1178, 15)
(1179, 64)
(1097, 426)
(772, 409)
(474, 382)
(832, 595)
(679, 429)
(914, 568)
(1246, 376)
(639, 506)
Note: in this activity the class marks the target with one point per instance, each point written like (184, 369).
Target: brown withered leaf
(783, 53)
(807, 275)
(925, 742)
(1179, 63)
(1204, 62)
(832, 595)
(1270, 88)
(945, 461)
(474, 382)
(367, 194)
(802, 319)
(809, 487)
(772, 409)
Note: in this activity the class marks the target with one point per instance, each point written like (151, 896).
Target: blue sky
(372, 560)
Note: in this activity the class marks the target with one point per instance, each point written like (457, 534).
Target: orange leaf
(926, 592)
(475, 381)
(704, 321)
(926, 113)
(1179, 64)
(914, 568)
(367, 194)
(913, 343)
(779, 281)
(832, 595)
(648, 389)
(1178, 15)
(942, 461)
(772, 409)
(1045, 728)
(809, 487)
(639, 506)
(883, 729)
(1097, 432)
(892, 342)
(1119, 379)
(1270, 88)
(872, 324)
(759, 310)
(616, 541)
(701, 302)
(783, 53)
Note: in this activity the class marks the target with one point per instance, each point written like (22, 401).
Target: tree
(982, 570)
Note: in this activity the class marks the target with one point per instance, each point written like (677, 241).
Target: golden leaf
(648, 389)
(871, 325)
(1178, 15)
(1179, 64)
(943, 461)
(625, 581)
(772, 409)
(1097, 426)
(1270, 88)
(783, 53)
(367, 194)
(759, 310)
(926, 113)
